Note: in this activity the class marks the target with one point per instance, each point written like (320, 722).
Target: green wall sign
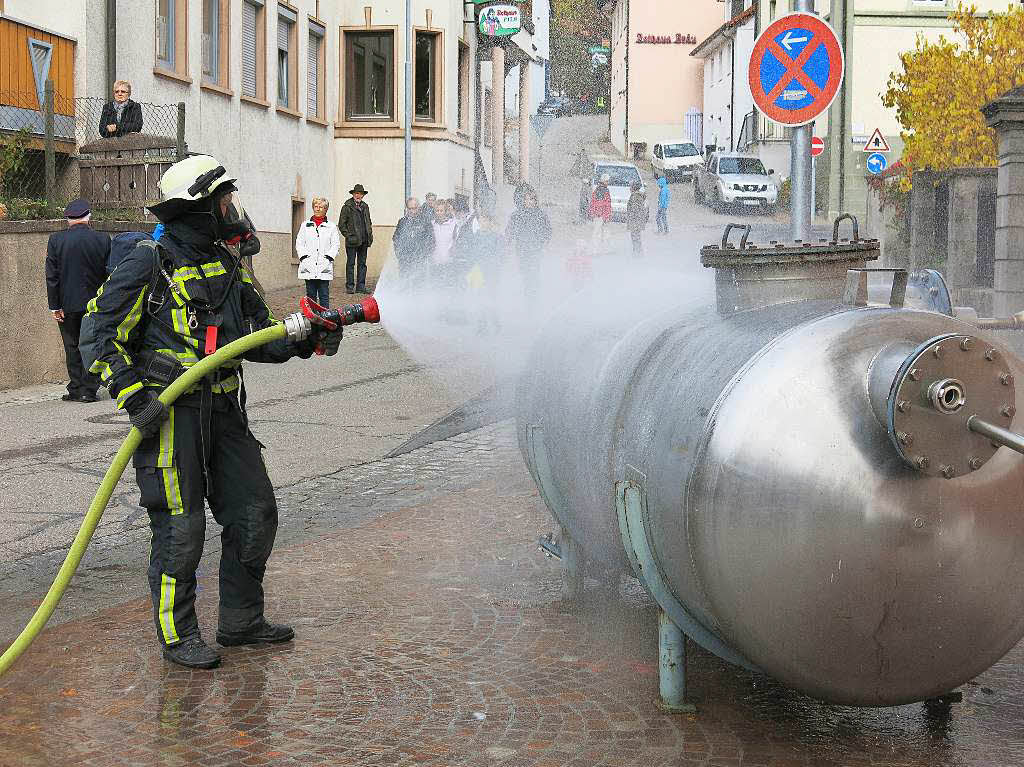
(502, 20)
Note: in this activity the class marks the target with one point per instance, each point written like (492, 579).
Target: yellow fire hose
(99, 502)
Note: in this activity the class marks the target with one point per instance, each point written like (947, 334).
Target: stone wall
(952, 229)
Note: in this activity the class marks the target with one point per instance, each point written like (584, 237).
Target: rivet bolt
(990, 355)
(1009, 411)
(974, 463)
(966, 344)
(904, 438)
(903, 406)
(937, 351)
(1005, 379)
(948, 472)
(914, 374)
(922, 462)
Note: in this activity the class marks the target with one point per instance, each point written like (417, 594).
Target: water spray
(296, 327)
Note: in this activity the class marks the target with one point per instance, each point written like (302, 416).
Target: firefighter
(165, 307)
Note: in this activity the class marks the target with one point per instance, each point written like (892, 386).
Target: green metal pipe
(192, 376)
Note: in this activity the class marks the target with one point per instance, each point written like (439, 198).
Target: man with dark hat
(355, 226)
(168, 305)
(76, 265)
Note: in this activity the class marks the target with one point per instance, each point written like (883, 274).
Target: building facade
(655, 83)
(297, 99)
(725, 54)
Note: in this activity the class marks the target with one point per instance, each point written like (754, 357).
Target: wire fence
(51, 155)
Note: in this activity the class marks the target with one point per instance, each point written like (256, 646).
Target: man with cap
(168, 305)
(355, 226)
(76, 265)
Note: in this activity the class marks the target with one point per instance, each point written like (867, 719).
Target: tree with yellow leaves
(944, 84)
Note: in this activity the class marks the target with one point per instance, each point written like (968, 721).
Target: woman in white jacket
(317, 246)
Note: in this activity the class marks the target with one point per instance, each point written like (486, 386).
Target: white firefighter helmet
(188, 181)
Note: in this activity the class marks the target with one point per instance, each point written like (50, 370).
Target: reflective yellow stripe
(129, 322)
(215, 269)
(166, 455)
(172, 489)
(102, 369)
(167, 584)
(126, 392)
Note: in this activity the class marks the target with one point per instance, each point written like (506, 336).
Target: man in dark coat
(528, 233)
(76, 266)
(122, 115)
(355, 226)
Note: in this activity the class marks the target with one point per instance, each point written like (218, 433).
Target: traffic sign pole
(802, 167)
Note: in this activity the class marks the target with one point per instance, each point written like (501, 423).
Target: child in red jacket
(600, 211)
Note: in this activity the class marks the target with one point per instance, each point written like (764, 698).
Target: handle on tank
(743, 239)
(835, 227)
(1004, 437)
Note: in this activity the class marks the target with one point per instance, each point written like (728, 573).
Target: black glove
(330, 340)
(146, 412)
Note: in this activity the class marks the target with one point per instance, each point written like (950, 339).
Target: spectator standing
(600, 211)
(444, 230)
(638, 213)
(664, 197)
(528, 232)
(122, 115)
(357, 229)
(76, 266)
(485, 255)
(408, 241)
(317, 245)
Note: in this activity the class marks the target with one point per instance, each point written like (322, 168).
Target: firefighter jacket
(177, 303)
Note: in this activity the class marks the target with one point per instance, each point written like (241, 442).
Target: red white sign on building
(817, 145)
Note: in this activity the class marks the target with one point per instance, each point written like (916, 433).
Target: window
(748, 166)
(287, 71)
(216, 16)
(427, 78)
(254, 62)
(165, 34)
(369, 75)
(463, 108)
(172, 36)
(315, 71)
(488, 118)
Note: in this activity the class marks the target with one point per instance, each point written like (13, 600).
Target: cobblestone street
(431, 631)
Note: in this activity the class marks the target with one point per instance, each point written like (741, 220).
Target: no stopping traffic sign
(796, 69)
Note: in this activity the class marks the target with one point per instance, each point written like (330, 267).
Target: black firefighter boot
(192, 652)
(262, 632)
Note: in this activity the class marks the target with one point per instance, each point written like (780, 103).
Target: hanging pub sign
(501, 20)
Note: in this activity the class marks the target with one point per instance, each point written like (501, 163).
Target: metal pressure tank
(809, 484)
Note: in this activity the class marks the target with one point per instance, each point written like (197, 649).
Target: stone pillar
(497, 118)
(922, 220)
(962, 255)
(524, 121)
(1006, 116)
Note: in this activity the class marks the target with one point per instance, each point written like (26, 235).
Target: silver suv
(731, 178)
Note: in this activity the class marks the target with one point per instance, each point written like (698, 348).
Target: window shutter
(283, 28)
(313, 75)
(249, 50)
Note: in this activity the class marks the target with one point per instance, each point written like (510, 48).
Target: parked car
(676, 159)
(622, 175)
(732, 178)
(552, 105)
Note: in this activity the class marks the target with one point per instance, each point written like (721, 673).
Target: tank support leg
(671, 667)
(572, 558)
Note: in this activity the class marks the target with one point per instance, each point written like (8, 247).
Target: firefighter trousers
(206, 452)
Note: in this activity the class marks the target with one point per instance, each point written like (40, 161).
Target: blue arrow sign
(877, 163)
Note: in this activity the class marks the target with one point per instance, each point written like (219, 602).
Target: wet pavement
(430, 631)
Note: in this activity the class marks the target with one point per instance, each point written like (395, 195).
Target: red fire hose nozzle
(329, 319)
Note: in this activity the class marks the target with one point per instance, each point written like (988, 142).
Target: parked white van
(676, 159)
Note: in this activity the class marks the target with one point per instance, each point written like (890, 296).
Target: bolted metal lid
(748, 276)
